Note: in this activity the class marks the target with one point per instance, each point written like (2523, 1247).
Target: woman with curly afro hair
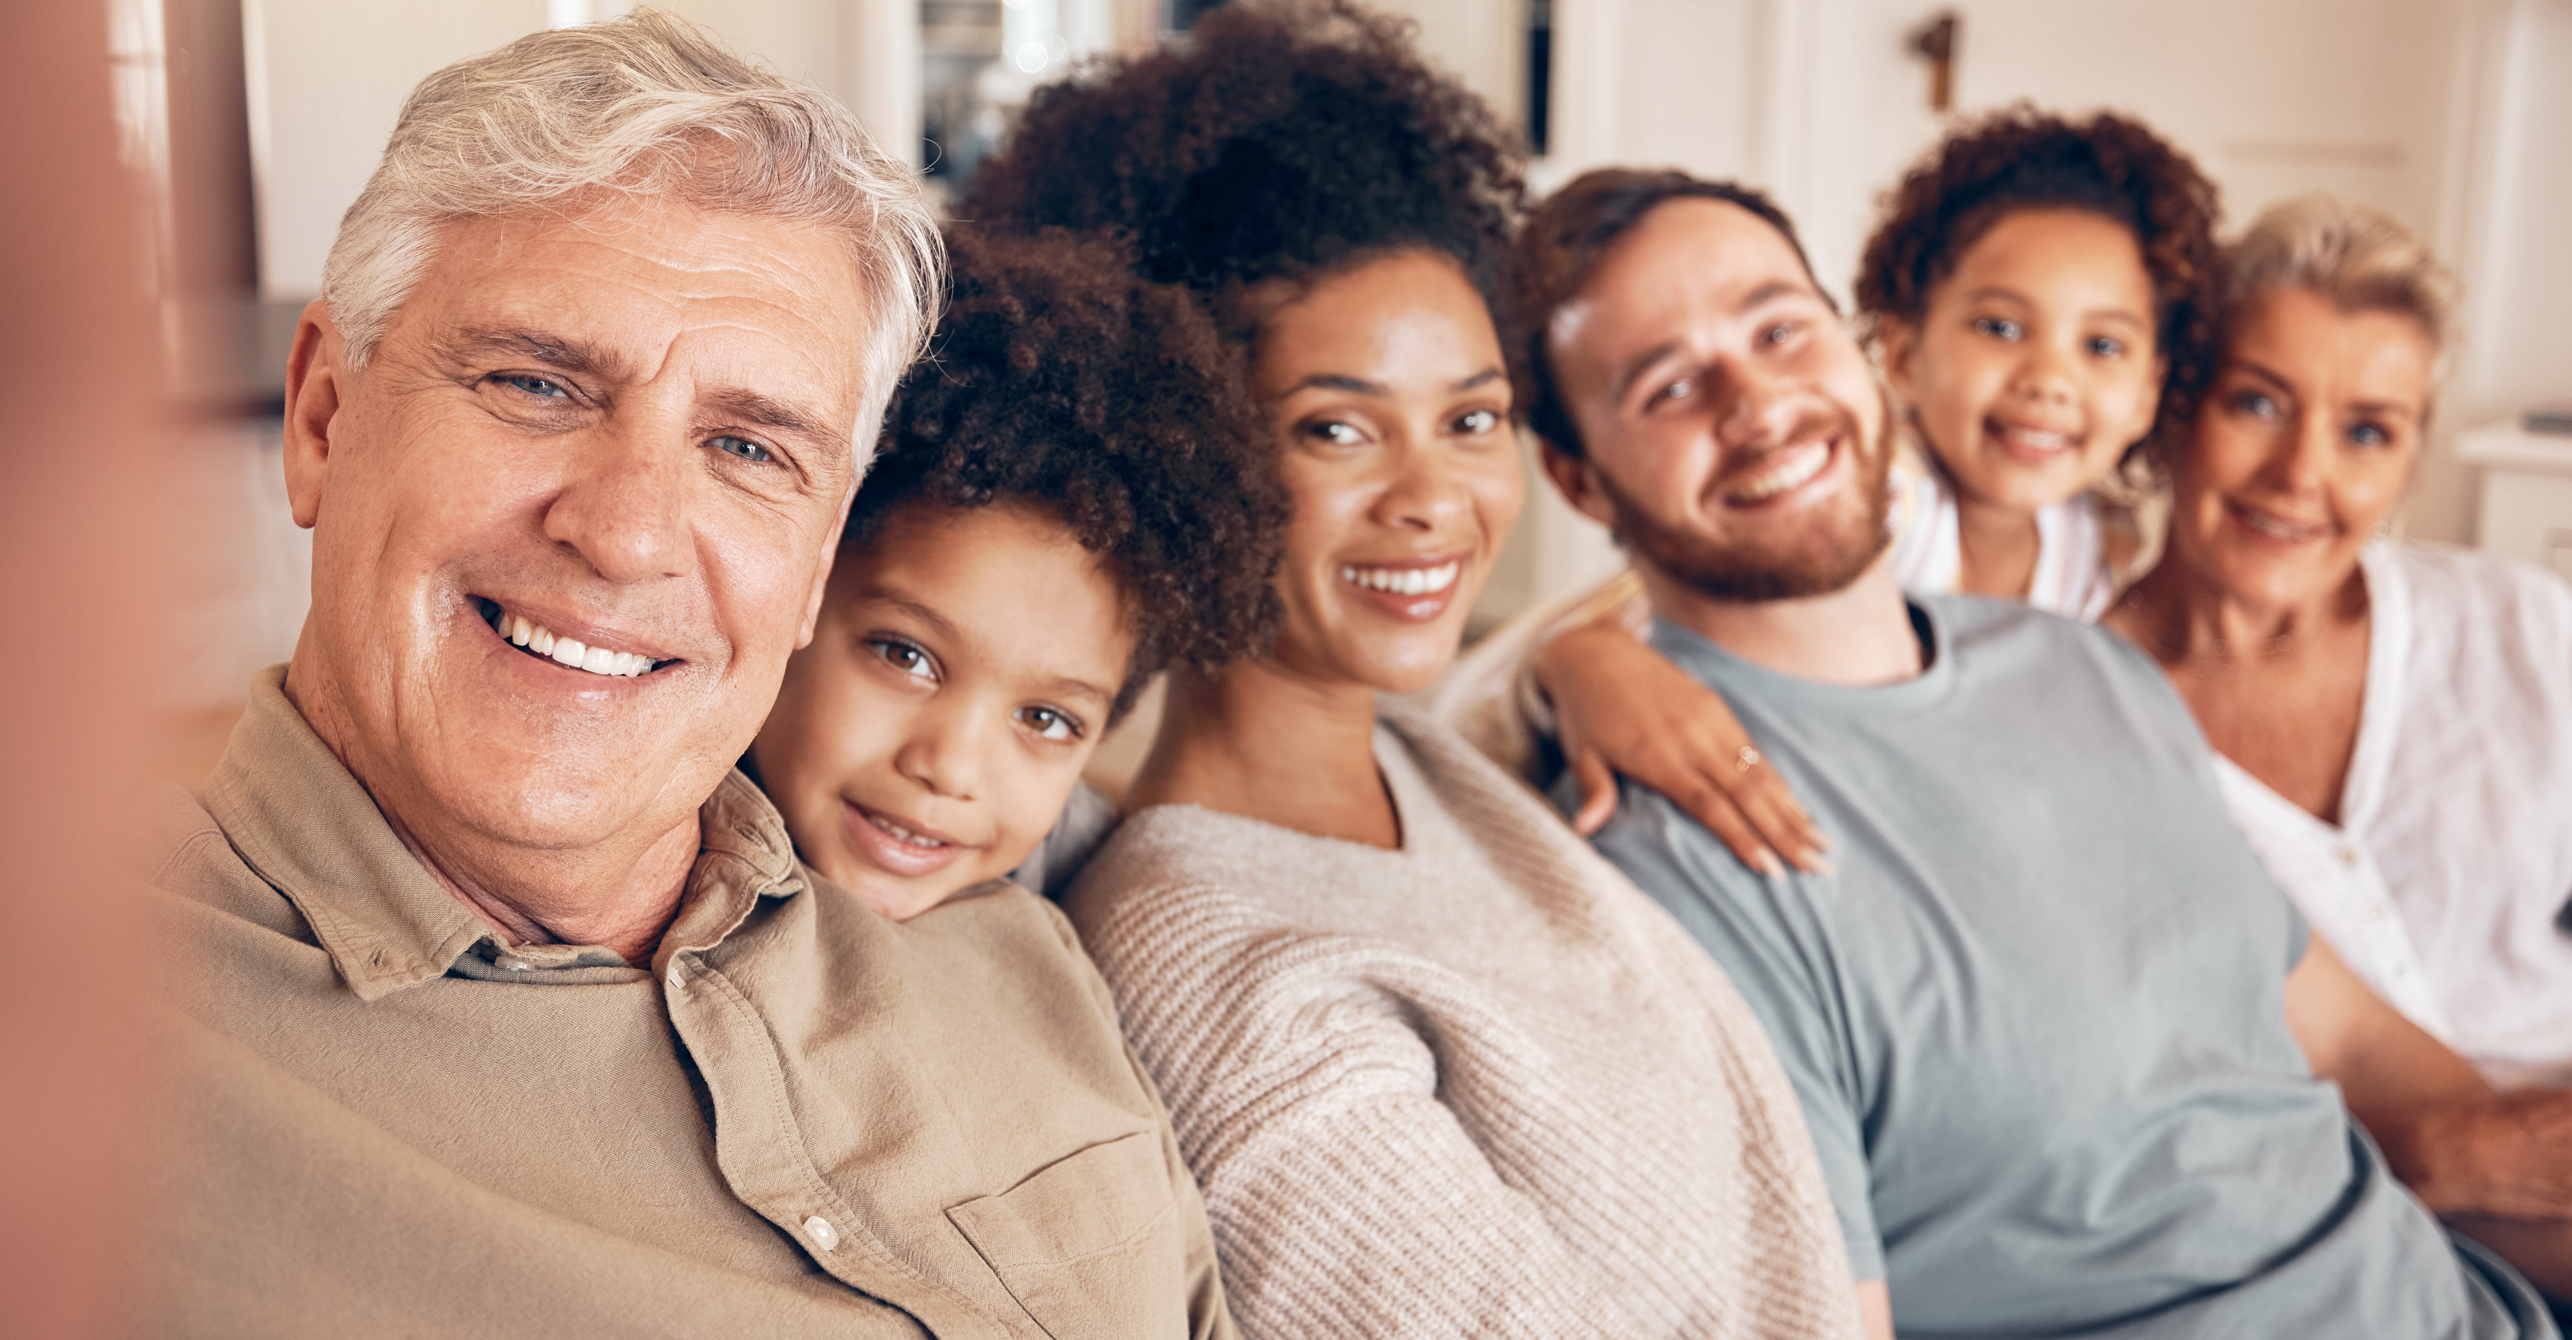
(1071, 494)
(1440, 1069)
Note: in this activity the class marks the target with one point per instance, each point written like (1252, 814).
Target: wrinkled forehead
(625, 286)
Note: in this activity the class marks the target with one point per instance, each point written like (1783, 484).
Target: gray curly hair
(646, 104)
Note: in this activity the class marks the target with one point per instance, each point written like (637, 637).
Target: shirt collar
(300, 819)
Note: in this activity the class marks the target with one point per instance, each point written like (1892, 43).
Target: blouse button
(2348, 855)
(823, 1235)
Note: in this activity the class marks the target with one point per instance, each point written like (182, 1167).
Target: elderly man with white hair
(501, 1003)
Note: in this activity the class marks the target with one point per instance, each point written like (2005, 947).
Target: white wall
(327, 78)
(2455, 115)
(2515, 213)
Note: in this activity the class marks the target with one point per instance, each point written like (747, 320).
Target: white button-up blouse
(2447, 884)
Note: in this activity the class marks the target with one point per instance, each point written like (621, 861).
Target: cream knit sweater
(1480, 1086)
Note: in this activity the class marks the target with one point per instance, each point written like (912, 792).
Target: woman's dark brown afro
(1059, 379)
(2025, 159)
(1284, 141)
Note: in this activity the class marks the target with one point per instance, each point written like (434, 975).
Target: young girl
(1071, 495)
(2039, 298)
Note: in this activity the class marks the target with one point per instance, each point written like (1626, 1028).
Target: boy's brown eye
(905, 657)
(1049, 724)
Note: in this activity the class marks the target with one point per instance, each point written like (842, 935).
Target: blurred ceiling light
(573, 13)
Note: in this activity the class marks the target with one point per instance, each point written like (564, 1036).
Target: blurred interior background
(258, 120)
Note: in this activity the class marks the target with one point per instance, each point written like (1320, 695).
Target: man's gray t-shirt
(2036, 1018)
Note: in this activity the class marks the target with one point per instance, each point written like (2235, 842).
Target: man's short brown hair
(1561, 246)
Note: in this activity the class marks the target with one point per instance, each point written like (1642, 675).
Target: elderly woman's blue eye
(742, 447)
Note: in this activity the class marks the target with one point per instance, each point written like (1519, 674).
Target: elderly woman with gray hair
(2393, 723)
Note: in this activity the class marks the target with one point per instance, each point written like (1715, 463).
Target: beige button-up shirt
(802, 1118)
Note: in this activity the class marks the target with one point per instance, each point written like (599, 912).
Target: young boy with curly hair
(1072, 494)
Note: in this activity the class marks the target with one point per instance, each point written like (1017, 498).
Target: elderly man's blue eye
(741, 447)
(537, 386)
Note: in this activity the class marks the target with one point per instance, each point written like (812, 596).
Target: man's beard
(1825, 557)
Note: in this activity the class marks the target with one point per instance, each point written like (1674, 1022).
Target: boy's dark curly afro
(2021, 158)
(1058, 378)
(1284, 142)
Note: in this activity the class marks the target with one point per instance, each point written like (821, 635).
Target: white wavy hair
(645, 104)
(2359, 257)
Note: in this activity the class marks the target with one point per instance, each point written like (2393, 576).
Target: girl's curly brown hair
(2021, 158)
(1059, 378)
(1283, 142)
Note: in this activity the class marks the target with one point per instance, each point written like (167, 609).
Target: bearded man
(501, 1003)
(2048, 1019)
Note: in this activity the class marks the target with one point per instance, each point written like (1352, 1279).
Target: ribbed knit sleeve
(1495, 1112)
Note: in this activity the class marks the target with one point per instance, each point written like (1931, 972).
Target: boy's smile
(962, 674)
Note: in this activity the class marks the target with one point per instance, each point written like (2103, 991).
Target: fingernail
(1770, 866)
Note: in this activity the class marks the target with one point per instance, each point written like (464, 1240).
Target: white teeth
(535, 637)
(908, 838)
(1794, 466)
(1403, 581)
(2284, 530)
(2035, 439)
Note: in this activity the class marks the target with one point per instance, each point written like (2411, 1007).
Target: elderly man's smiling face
(628, 427)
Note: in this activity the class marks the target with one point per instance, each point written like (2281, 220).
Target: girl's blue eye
(740, 446)
(905, 657)
(1678, 390)
(1997, 327)
(1049, 723)
(2106, 347)
(2370, 435)
(1779, 333)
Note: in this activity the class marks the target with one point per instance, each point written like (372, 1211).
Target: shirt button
(823, 1235)
(2375, 914)
(2348, 855)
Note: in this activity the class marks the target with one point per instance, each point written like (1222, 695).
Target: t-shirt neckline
(1710, 663)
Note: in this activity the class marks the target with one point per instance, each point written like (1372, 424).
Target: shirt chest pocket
(1091, 1245)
